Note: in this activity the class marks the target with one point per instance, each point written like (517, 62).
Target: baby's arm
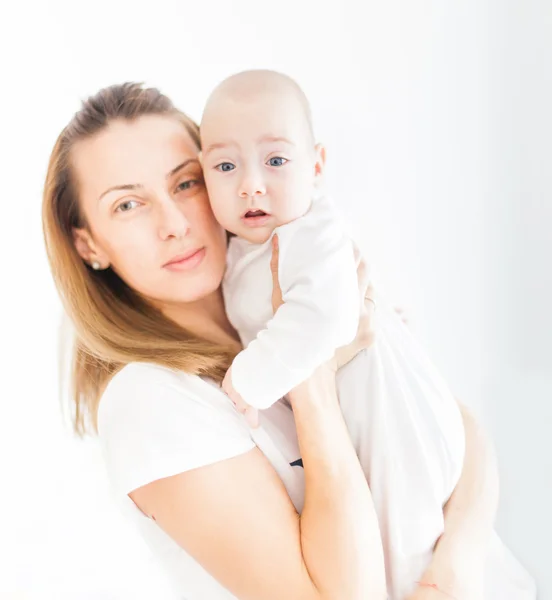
(317, 274)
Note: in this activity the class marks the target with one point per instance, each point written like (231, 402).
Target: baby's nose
(252, 185)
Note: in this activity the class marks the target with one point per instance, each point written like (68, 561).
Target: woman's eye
(127, 205)
(185, 185)
(277, 161)
(225, 167)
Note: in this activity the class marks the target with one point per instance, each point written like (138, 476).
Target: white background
(437, 120)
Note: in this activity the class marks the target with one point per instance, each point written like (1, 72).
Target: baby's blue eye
(225, 167)
(277, 161)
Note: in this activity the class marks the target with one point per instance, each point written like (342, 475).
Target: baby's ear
(320, 160)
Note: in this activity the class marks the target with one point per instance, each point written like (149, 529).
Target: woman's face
(141, 189)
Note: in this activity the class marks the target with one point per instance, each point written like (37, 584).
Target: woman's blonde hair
(113, 324)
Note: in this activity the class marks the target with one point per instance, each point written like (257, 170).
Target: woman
(138, 259)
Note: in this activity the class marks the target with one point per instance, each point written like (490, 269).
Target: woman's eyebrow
(125, 187)
(181, 166)
(136, 186)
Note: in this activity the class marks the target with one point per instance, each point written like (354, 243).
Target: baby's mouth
(250, 214)
(256, 218)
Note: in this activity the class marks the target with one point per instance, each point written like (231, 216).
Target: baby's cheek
(212, 210)
(227, 217)
(296, 203)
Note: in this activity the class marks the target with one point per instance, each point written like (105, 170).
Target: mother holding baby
(279, 511)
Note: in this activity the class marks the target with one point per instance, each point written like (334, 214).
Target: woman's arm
(236, 519)
(458, 563)
(359, 570)
(338, 513)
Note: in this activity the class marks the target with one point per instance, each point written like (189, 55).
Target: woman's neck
(205, 318)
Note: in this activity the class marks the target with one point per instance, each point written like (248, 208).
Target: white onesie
(396, 405)
(403, 421)
(317, 274)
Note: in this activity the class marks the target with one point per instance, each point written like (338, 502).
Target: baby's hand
(251, 413)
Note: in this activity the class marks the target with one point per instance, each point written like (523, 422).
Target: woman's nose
(172, 220)
(252, 185)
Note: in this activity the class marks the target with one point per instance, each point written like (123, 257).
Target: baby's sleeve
(317, 274)
(152, 425)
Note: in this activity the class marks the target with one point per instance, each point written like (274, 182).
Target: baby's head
(260, 160)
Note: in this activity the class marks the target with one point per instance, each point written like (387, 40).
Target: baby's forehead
(268, 113)
(274, 100)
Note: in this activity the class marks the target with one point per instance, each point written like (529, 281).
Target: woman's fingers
(252, 417)
(363, 274)
(275, 253)
(250, 413)
(369, 297)
(277, 299)
(365, 333)
(357, 254)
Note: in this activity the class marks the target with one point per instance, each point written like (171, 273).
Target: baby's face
(260, 163)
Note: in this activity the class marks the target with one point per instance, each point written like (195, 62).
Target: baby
(263, 171)
(262, 168)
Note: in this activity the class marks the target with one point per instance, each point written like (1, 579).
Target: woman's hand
(250, 412)
(430, 593)
(365, 332)
(277, 299)
(456, 592)
(459, 558)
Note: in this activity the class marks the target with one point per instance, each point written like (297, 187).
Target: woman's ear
(88, 250)
(320, 158)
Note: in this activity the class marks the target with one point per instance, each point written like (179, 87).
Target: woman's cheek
(133, 241)
(132, 250)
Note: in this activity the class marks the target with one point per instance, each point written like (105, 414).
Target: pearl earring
(96, 265)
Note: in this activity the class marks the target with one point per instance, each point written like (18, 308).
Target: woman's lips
(186, 262)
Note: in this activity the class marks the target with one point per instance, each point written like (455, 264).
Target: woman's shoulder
(140, 378)
(142, 389)
(139, 373)
(154, 422)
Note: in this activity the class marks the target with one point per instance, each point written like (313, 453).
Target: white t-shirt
(154, 423)
(318, 278)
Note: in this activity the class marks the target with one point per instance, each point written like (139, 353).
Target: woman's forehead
(132, 152)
